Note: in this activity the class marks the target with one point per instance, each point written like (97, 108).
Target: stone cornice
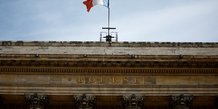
(103, 44)
(110, 57)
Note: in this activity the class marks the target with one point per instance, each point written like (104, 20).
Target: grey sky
(141, 20)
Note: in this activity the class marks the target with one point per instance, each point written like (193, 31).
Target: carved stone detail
(85, 102)
(36, 101)
(133, 102)
(181, 101)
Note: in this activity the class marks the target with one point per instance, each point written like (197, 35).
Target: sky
(135, 20)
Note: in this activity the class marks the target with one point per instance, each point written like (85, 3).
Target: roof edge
(104, 44)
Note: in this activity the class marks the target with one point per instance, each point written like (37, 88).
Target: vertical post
(108, 17)
(108, 28)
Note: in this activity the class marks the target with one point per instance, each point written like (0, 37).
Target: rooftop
(102, 48)
(104, 44)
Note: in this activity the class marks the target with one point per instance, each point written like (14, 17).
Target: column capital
(181, 101)
(36, 100)
(85, 102)
(133, 101)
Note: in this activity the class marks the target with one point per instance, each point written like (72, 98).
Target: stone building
(94, 75)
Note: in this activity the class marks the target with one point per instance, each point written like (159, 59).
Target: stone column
(1, 102)
(85, 102)
(36, 101)
(133, 102)
(216, 103)
(181, 101)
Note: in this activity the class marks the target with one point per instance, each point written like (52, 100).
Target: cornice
(104, 44)
(107, 56)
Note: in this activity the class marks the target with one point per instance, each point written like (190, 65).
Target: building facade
(95, 75)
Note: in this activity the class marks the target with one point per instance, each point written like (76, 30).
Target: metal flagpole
(108, 17)
(108, 37)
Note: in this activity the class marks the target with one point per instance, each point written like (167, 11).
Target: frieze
(105, 81)
(113, 80)
(75, 80)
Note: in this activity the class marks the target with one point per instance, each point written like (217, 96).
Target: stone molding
(114, 91)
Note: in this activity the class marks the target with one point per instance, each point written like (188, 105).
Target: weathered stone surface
(68, 68)
(103, 44)
(108, 50)
(113, 84)
(70, 80)
(187, 80)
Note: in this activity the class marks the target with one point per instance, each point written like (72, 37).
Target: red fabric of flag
(88, 4)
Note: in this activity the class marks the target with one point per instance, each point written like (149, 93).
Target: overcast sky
(135, 20)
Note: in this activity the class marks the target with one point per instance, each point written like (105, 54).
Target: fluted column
(181, 101)
(36, 101)
(133, 102)
(85, 102)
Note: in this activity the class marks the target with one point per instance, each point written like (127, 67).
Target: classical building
(95, 75)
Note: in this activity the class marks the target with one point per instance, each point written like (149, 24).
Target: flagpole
(108, 17)
(109, 36)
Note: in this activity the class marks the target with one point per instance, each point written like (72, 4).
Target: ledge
(104, 44)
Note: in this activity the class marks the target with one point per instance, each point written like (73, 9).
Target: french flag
(91, 3)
